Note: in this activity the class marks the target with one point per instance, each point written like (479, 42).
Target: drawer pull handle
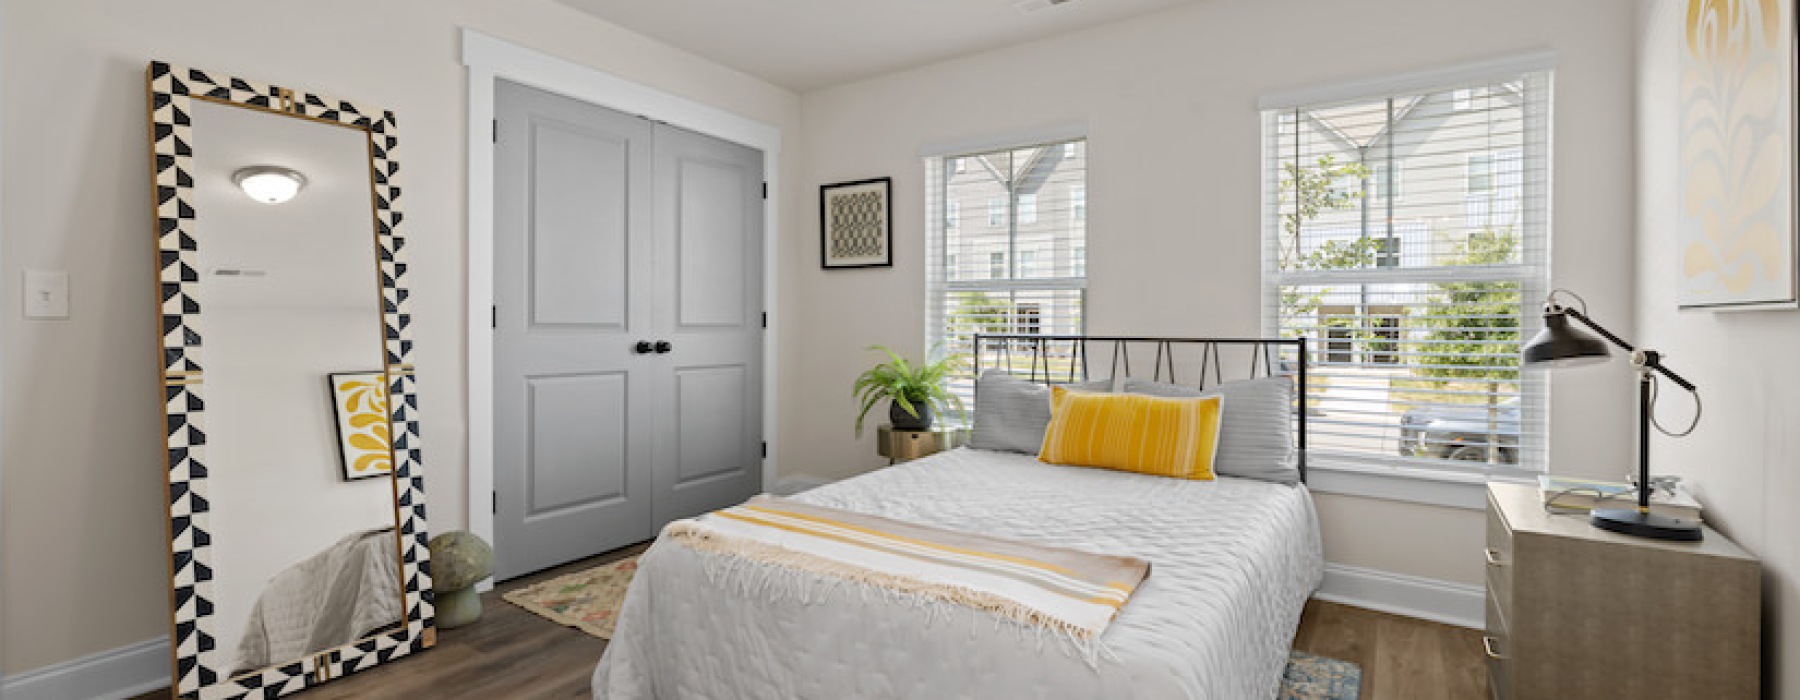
(1493, 557)
(1487, 646)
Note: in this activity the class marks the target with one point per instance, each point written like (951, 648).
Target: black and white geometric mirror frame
(172, 91)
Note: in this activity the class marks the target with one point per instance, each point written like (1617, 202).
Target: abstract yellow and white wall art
(1737, 154)
(360, 401)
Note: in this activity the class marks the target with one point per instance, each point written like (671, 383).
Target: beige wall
(83, 530)
(1170, 103)
(1744, 459)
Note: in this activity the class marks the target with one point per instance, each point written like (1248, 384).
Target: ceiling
(808, 44)
(314, 251)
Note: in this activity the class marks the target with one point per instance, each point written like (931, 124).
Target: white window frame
(938, 283)
(996, 212)
(1372, 477)
(1028, 209)
(953, 215)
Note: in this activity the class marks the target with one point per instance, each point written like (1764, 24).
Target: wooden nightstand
(907, 445)
(1574, 611)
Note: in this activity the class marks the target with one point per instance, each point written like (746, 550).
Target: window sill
(1432, 487)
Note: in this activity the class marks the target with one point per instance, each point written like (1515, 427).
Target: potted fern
(914, 391)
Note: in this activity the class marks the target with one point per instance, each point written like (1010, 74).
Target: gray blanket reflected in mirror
(330, 599)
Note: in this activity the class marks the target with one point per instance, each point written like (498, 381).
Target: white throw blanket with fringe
(1070, 592)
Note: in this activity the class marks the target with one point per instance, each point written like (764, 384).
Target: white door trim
(489, 58)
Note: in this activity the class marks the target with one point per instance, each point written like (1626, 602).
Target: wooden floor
(511, 653)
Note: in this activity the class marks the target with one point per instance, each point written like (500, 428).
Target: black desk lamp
(1560, 345)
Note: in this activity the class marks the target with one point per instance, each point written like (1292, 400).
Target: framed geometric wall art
(1736, 232)
(856, 226)
(359, 401)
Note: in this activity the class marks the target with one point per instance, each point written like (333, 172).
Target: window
(952, 215)
(1069, 150)
(958, 164)
(1026, 270)
(1462, 100)
(1479, 178)
(1385, 181)
(1028, 263)
(1415, 306)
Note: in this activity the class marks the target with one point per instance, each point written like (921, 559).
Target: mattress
(1232, 564)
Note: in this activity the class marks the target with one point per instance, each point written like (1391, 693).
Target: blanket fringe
(736, 563)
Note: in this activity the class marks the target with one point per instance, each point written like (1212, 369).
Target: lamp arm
(1651, 358)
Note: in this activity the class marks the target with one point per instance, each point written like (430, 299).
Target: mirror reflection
(305, 554)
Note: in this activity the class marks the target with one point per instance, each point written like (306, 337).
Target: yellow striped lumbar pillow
(1134, 433)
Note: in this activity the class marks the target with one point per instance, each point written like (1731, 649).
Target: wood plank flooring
(512, 653)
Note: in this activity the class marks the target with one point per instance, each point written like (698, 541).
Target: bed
(1234, 561)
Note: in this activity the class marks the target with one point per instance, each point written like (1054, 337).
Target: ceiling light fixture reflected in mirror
(269, 184)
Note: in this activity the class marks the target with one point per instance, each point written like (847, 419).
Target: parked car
(1461, 432)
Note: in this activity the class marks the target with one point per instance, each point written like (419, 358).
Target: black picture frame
(861, 200)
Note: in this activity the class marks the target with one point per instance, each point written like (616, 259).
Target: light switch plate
(46, 294)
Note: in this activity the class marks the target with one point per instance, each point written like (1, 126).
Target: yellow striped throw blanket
(1067, 591)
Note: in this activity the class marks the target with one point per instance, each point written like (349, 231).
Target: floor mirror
(297, 538)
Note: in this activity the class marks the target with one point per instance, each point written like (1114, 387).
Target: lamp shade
(1562, 345)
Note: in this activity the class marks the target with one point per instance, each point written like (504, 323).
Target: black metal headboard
(1265, 355)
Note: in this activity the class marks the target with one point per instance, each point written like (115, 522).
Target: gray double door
(627, 327)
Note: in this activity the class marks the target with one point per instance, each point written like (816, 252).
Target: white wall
(84, 567)
(1170, 102)
(1744, 458)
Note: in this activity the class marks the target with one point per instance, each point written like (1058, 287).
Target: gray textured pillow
(1011, 414)
(1256, 438)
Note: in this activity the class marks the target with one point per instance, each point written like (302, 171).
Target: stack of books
(1563, 494)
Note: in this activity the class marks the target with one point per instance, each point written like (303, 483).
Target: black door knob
(643, 347)
(663, 346)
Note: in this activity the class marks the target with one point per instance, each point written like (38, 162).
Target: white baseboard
(795, 483)
(114, 674)
(1449, 602)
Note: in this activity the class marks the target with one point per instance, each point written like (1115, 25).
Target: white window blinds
(1024, 271)
(1406, 236)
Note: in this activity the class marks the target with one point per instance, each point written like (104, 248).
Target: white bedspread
(1233, 562)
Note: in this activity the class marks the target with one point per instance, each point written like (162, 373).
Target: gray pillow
(1256, 438)
(1011, 414)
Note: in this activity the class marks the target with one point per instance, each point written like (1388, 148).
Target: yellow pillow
(1134, 433)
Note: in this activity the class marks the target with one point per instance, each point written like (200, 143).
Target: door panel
(710, 241)
(572, 216)
(578, 184)
(577, 449)
(711, 423)
(709, 299)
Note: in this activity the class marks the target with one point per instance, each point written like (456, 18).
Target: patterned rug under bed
(590, 600)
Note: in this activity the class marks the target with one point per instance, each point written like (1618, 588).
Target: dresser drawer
(1498, 556)
(1495, 643)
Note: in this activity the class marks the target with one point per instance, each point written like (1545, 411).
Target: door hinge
(765, 319)
(496, 495)
(765, 449)
(495, 322)
(496, 131)
(765, 190)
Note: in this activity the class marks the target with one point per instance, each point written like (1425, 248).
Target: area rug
(586, 600)
(1310, 677)
(590, 601)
